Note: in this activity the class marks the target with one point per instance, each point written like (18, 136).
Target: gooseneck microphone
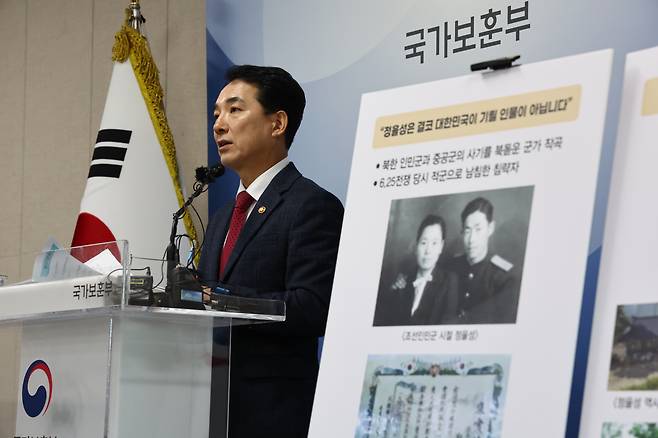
(206, 175)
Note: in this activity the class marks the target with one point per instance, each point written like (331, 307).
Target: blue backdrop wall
(340, 49)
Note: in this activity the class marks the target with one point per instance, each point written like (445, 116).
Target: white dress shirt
(257, 188)
(419, 289)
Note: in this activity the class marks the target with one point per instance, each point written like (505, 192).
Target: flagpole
(135, 17)
(134, 125)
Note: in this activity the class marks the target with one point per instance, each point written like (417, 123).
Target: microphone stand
(173, 254)
(204, 177)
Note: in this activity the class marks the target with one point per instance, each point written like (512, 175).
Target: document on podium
(54, 264)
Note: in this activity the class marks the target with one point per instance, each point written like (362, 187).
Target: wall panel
(52, 93)
(57, 106)
(186, 91)
(12, 117)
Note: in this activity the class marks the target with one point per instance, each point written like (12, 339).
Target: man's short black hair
(478, 204)
(277, 91)
(431, 219)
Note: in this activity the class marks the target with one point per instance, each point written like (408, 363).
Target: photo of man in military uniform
(488, 284)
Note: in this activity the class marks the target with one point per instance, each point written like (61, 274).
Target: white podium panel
(79, 361)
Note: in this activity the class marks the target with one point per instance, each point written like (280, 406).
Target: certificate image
(634, 430)
(634, 362)
(454, 259)
(433, 396)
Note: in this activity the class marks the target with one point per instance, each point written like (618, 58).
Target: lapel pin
(261, 210)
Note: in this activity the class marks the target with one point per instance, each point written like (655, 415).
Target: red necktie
(238, 218)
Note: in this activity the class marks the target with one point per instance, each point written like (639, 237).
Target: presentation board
(621, 396)
(462, 259)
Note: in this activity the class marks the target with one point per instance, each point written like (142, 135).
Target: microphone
(178, 276)
(207, 175)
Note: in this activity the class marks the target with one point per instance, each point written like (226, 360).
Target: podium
(80, 360)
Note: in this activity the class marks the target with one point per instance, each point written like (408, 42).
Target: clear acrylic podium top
(95, 281)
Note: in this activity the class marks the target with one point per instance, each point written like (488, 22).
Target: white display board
(621, 395)
(526, 141)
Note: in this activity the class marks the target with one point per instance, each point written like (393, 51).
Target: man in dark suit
(278, 240)
(488, 287)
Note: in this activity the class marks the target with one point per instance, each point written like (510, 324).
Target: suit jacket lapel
(262, 211)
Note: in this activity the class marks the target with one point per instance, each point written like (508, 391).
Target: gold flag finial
(134, 17)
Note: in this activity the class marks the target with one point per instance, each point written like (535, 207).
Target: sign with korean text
(621, 393)
(462, 260)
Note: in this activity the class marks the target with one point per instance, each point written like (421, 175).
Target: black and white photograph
(454, 259)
